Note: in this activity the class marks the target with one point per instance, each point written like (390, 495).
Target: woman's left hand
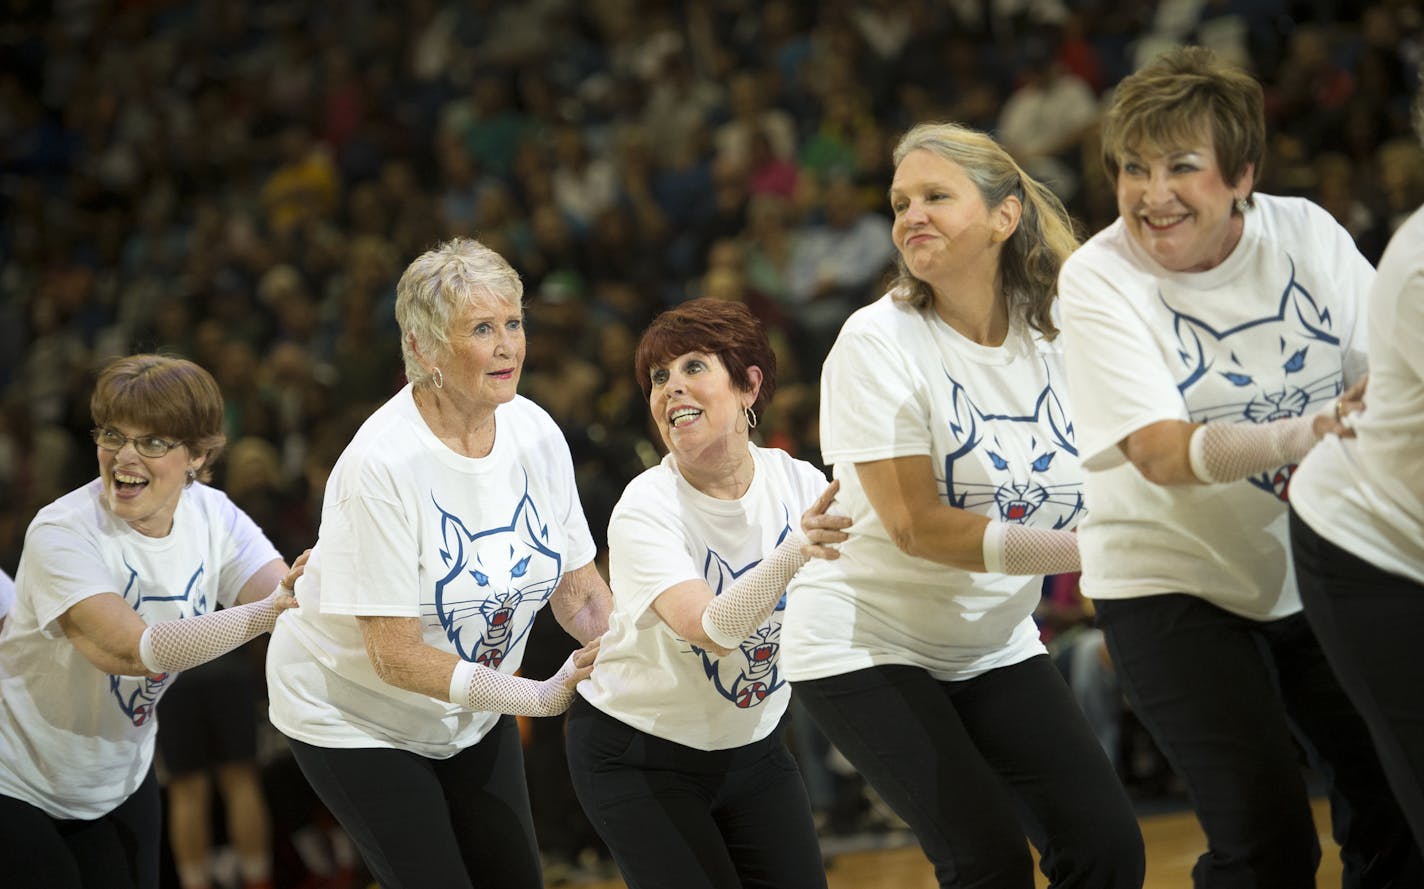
(823, 529)
(1337, 421)
(286, 597)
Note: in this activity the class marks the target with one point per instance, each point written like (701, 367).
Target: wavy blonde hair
(1033, 254)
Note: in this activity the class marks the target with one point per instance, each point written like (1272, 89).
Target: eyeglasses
(147, 445)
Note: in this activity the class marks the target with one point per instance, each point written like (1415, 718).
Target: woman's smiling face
(144, 491)
(695, 406)
(1179, 208)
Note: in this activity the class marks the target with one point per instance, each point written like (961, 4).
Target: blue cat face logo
(1019, 452)
(138, 695)
(496, 581)
(749, 675)
(1265, 369)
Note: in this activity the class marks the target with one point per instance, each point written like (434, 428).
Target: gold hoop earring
(438, 377)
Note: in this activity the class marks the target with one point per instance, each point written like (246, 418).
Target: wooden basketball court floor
(1173, 843)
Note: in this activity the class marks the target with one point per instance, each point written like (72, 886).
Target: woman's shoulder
(80, 510)
(1289, 218)
(791, 467)
(653, 489)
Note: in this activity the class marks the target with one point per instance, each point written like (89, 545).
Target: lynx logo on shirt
(497, 580)
(138, 695)
(1261, 370)
(749, 675)
(1026, 456)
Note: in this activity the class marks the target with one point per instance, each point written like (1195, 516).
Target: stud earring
(1242, 204)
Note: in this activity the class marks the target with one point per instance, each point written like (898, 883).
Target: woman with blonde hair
(944, 414)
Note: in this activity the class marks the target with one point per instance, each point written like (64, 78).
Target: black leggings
(422, 823)
(682, 818)
(116, 851)
(1368, 621)
(1228, 700)
(974, 765)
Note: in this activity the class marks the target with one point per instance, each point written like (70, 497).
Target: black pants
(974, 765)
(424, 823)
(1368, 621)
(117, 851)
(682, 818)
(1231, 703)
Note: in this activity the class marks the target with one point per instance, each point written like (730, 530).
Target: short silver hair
(435, 285)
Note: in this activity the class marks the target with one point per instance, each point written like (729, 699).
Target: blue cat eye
(1237, 379)
(1296, 362)
(1042, 463)
(481, 578)
(999, 462)
(521, 567)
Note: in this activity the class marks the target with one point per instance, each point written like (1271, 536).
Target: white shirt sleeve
(646, 556)
(873, 403)
(69, 570)
(370, 559)
(1116, 376)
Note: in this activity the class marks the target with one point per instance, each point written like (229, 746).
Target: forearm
(1010, 548)
(415, 667)
(1228, 452)
(176, 645)
(944, 534)
(731, 617)
(477, 687)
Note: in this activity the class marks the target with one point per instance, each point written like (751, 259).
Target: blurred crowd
(242, 181)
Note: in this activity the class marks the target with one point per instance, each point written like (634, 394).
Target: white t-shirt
(995, 423)
(75, 741)
(663, 532)
(1366, 494)
(7, 594)
(1272, 332)
(473, 547)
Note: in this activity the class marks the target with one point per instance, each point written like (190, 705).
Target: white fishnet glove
(1228, 452)
(183, 644)
(1011, 548)
(477, 687)
(731, 616)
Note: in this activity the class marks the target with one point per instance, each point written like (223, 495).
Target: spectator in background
(1045, 119)
(209, 739)
(836, 261)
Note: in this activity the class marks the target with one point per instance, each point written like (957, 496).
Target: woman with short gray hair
(449, 521)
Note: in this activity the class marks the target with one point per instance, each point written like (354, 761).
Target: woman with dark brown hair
(676, 740)
(116, 593)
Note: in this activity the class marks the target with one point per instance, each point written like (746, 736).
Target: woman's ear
(1246, 181)
(1005, 218)
(753, 383)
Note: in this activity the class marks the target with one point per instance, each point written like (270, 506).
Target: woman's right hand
(578, 667)
(824, 529)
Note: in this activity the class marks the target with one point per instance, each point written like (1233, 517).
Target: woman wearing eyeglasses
(116, 592)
